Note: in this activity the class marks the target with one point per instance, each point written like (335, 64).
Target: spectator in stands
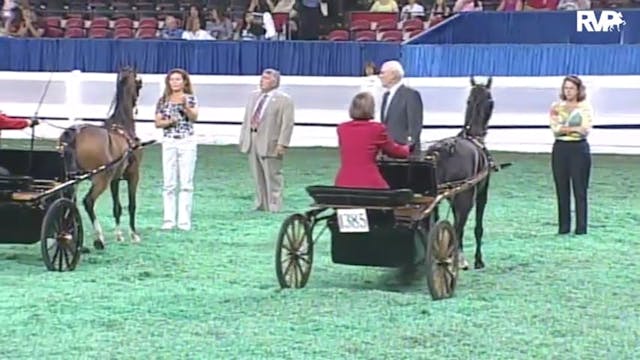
(573, 5)
(265, 135)
(359, 141)
(439, 11)
(309, 19)
(258, 26)
(28, 25)
(195, 12)
(171, 30)
(220, 26)
(176, 111)
(10, 14)
(402, 109)
(251, 30)
(510, 5)
(570, 121)
(467, 5)
(384, 6)
(540, 5)
(413, 9)
(260, 6)
(194, 31)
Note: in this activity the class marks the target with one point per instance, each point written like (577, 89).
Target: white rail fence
(322, 103)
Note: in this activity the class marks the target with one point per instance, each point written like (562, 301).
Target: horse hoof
(85, 250)
(462, 262)
(479, 265)
(119, 237)
(98, 244)
(135, 238)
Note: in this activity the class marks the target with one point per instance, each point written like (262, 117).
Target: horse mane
(125, 102)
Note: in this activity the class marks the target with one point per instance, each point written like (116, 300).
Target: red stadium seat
(338, 35)
(365, 35)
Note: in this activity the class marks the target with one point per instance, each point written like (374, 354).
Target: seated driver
(360, 140)
(8, 123)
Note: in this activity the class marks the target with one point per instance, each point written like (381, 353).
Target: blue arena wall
(487, 43)
(527, 27)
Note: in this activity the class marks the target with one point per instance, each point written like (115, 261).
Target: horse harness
(65, 144)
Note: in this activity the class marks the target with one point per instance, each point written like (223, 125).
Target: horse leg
(117, 207)
(481, 202)
(98, 186)
(462, 204)
(132, 186)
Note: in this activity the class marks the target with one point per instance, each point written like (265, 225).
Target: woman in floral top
(570, 122)
(176, 111)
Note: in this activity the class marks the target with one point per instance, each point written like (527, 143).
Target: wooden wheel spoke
(61, 235)
(289, 266)
(55, 255)
(442, 273)
(294, 254)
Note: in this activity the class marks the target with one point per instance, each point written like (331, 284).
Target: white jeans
(178, 163)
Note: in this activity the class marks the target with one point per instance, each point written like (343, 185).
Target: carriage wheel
(61, 236)
(442, 260)
(294, 252)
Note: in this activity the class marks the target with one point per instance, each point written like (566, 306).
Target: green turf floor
(212, 293)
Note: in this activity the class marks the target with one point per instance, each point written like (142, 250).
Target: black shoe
(581, 232)
(563, 232)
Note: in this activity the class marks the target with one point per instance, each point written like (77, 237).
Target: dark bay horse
(463, 157)
(87, 147)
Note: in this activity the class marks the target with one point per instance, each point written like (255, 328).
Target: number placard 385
(353, 220)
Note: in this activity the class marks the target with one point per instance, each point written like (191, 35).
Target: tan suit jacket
(275, 128)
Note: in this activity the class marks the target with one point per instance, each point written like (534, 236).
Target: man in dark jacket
(401, 110)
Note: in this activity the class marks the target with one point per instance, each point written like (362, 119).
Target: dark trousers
(309, 23)
(571, 165)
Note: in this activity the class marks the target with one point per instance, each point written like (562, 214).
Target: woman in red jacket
(360, 140)
(7, 123)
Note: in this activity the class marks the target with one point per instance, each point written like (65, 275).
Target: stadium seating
(125, 19)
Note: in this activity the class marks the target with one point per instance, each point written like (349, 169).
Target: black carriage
(380, 228)
(37, 203)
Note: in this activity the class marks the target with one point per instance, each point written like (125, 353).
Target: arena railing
(519, 122)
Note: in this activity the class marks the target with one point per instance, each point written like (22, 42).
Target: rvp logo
(609, 19)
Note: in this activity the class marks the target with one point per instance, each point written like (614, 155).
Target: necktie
(383, 108)
(255, 120)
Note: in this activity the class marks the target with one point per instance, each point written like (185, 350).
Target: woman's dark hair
(372, 65)
(363, 107)
(582, 90)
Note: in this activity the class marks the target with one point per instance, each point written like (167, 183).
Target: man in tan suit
(265, 135)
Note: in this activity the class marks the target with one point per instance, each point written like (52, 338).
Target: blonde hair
(188, 89)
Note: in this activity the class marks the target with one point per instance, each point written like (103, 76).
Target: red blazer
(359, 143)
(7, 123)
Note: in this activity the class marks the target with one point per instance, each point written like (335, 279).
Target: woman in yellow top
(384, 6)
(570, 121)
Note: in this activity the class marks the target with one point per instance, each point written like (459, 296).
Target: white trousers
(178, 163)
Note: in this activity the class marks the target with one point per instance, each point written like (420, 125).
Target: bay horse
(87, 147)
(463, 157)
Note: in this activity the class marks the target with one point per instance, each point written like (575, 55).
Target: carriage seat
(342, 196)
(15, 183)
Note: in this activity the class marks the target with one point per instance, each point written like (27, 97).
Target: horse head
(127, 92)
(129, 84)
(479, 109)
